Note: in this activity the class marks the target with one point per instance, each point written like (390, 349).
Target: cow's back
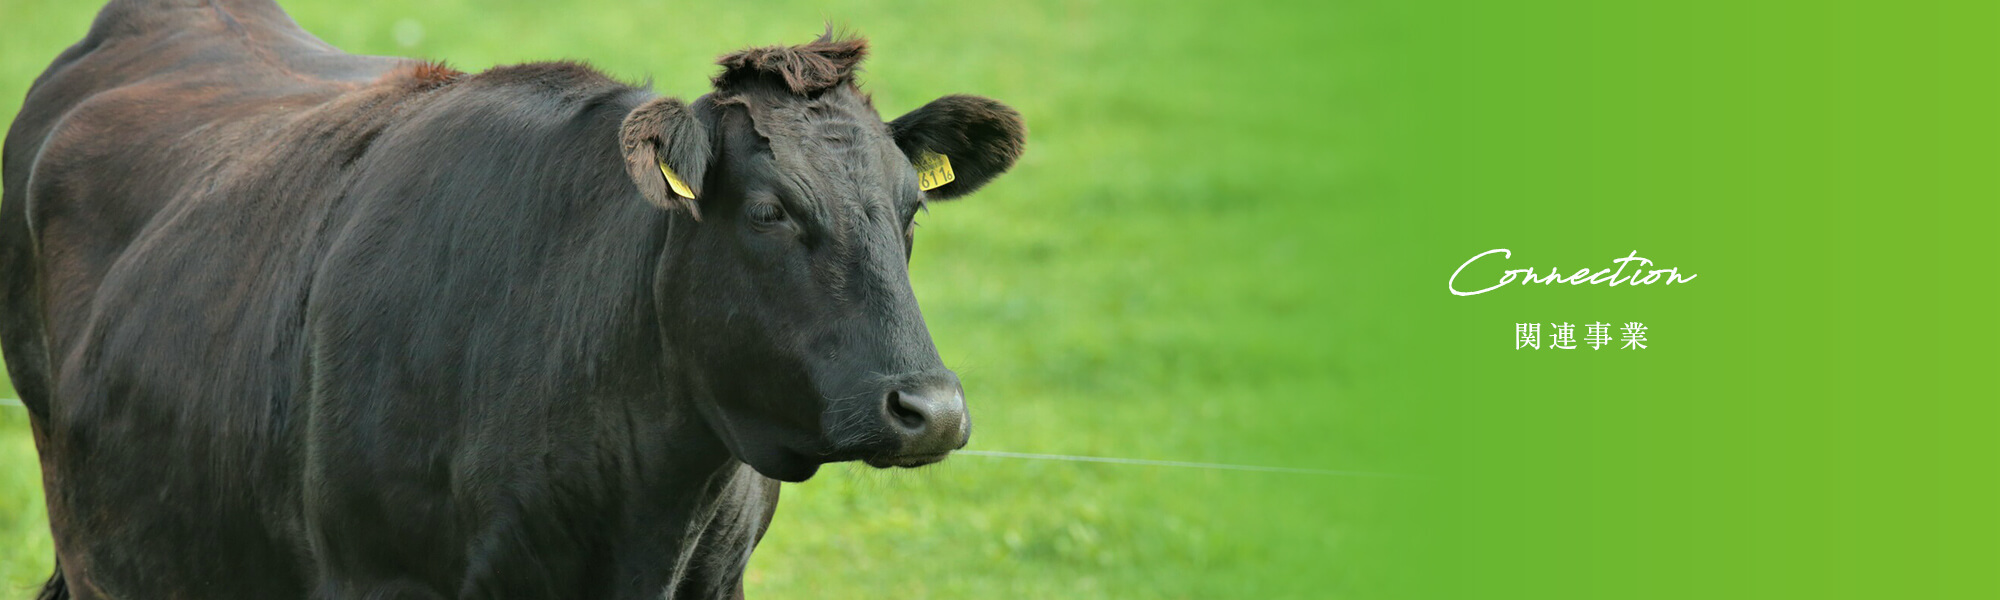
(163, 106)
(170, 183)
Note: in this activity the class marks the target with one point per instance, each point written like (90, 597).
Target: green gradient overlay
(1229, 241)
(1815, 417)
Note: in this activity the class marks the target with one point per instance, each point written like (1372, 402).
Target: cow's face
(786, 300)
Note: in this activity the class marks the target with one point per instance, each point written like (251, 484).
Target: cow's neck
(681, 514)
(649, 498)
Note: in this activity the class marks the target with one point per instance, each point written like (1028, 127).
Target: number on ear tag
(933, 170)
(674, 181)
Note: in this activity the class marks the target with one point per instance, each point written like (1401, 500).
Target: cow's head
(785, 295)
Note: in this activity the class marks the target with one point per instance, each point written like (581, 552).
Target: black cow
(296, 323)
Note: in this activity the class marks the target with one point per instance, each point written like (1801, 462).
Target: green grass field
(1160, 277)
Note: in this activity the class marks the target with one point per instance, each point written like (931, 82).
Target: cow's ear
(666, 153)
(978, 138)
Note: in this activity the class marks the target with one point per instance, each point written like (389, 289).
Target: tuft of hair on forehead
(805, 69)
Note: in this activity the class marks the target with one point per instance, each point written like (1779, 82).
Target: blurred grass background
(1160, 277)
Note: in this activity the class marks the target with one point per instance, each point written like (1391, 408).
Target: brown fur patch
(435, 73)
(424, 76)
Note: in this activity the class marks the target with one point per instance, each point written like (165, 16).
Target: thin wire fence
(1180, 464)
(1177, 464)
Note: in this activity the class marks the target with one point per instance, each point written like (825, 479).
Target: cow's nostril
(909, 415)
(927, 422)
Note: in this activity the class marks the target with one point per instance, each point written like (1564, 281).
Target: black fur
(664, 130)
(982, 137)
(296, 323)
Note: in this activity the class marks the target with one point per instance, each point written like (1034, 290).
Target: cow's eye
(767, 214)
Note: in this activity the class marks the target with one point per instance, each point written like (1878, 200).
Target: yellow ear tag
(933, 170)
(674, 181)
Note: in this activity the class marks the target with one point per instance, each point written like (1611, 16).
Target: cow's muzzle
(929, 421)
